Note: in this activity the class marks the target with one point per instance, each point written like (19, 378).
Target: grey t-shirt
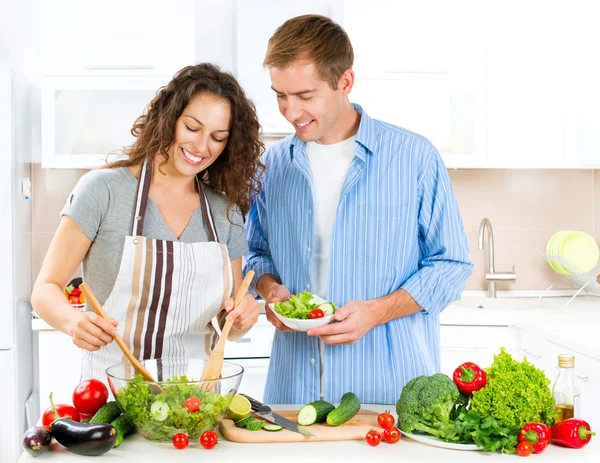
(103, 204)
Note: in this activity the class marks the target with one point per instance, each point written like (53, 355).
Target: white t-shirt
(329, 165)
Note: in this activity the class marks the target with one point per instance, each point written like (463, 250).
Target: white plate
(431, 440)
(303, 325)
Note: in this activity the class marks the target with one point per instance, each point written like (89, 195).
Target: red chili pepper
(537, 434)
(469, 378)
(572, 433)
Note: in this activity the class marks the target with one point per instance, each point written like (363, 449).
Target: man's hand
(278, 293)
(355, 319)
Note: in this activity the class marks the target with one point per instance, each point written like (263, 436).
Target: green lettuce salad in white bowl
(304, 311)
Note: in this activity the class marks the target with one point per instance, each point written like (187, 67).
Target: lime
(239, 408)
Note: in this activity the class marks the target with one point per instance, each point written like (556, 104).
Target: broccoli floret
(426, 403)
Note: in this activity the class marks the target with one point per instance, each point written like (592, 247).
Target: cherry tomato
(192, 404)
(525, 448)
(74, 299)
(391, 435)
(89, 396)
(373, 438)
(209, 439)
(385, 420)
(316, 313)
(65, 411)
(180, 441)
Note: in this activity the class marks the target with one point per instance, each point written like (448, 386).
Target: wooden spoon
(214, 365)
(97, 308)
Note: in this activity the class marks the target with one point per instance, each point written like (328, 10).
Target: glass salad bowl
(178, 401)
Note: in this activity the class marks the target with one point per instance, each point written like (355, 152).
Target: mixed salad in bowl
(304, 311)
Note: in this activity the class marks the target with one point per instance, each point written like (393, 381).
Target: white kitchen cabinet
(478, 344)
(423, 71)
(59, 368)
(84, 119)
(112, 37)
(543, 352)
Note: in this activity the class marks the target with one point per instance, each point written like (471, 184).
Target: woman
(161, 233)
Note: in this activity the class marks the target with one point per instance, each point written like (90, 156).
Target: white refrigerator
(17, 388)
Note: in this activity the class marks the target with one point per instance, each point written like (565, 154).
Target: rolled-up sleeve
(258, 257)
(445, 264)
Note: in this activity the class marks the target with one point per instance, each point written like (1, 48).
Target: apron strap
(206, 214)
(142, 199)
(142, 202)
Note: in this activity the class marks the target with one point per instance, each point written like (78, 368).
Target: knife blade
(264, 411)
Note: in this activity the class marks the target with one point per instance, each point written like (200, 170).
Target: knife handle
(255, 404)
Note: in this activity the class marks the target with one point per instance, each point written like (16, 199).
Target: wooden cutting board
(353, 429)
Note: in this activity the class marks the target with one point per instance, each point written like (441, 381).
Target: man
(359, 212)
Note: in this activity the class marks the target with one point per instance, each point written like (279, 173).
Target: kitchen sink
(483, 303)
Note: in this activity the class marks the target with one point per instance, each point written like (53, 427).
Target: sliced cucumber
(348, 408)
(327, 308)
(272, 427)
(244, 421)
(255, 425)
(314, 412)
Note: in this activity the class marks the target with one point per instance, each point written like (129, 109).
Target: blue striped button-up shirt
(397, 226)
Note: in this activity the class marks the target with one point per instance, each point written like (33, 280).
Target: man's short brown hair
(316, 38)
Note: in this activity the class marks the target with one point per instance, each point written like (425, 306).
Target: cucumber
(327, 308)
(255, 425)
(123, 427)
(314, 412)
(107, 413)
(244, 421)
(272, 427)
(348, 408)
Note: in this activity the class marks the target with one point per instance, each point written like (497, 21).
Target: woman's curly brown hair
(236, 172)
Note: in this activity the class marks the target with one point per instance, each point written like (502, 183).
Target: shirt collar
(366, 134)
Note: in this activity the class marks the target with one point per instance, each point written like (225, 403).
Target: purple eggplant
(36, 440)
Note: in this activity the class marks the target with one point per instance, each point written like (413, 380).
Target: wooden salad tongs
(214, 364)
(97, 308)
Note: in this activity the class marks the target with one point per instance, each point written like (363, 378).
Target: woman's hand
(91, 331)
(245, 315)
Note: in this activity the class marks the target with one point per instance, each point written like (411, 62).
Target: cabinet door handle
(529, 354)
(122, 67)
(583, 378)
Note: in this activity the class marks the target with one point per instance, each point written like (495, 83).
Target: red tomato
(316, 313)
(74, 299)
(65, 411)
(192, 404)
(373, 438)
(525, 448)
(386, 420)
(209, 439)
(89, 396)
(180, 441)
(391, 435)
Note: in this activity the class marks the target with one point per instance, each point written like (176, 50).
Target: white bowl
(304, 325)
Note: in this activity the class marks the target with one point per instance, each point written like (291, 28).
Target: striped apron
(166, 293)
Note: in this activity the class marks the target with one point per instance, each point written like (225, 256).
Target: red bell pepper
(572, 433)
(469, 378)
(538, 434)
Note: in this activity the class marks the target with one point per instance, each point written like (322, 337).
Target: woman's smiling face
(201, 134)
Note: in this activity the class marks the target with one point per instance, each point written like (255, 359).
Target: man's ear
(346, 81)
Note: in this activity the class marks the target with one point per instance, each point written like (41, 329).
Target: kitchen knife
(264, 411)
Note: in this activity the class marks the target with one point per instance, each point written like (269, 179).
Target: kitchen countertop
(136, 448)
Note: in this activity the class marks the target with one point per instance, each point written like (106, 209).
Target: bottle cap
(566, 361)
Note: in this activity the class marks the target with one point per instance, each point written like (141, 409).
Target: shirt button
(308, 286)
(308, 249)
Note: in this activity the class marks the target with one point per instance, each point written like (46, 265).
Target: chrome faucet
(492, 276)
